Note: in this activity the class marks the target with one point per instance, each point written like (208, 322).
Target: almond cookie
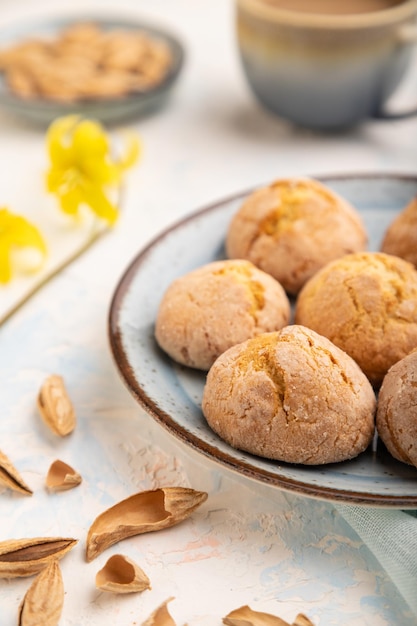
(396, 419)
(401, 236)
(292, 228)
(216, 306)
(292, 396)
(366, 303)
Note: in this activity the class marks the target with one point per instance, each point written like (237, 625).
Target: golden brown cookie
(401, 236)
(290, 395)
(216, 306)
(366, 303)
(397, 410)
(292, 228)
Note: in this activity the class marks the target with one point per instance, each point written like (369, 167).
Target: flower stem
(94, 236)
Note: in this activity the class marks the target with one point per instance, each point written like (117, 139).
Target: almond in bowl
(86, 61)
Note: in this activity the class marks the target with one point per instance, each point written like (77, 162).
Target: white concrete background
(247, 544)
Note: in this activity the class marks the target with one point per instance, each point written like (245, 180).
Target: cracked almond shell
(245, 616)
(44, 599)
(122, 575)
(61, 477)
(10, 477)
(143, 512)
(25, 557)
(302, 620)
(161, 616)
(55, 406)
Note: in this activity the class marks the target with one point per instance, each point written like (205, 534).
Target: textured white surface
(247, 544)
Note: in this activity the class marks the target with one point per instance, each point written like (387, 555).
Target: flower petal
(111, 172)
(100, 172)
(82, 166)
(5, 265)
(89, 141)
(70, 200)
(17, 232)
(26, 234)
(133, 151)
(55, 178)
(97, 200)
(59, 141)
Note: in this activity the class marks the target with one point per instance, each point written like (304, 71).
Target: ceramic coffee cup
(322, 69)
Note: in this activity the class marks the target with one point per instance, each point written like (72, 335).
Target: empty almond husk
(10, 477)
(25, 557)
(141, 513)
(122, 575)
(161, 616)
(44, 599)
(245, 616)
(55, 406)
(302, 620)
(61, 477)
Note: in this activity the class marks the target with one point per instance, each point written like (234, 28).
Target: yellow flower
(16, 232)
(82, 170)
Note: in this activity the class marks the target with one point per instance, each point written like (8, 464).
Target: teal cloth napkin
(391, 536)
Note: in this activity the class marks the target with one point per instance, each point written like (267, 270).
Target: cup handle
(406, 35)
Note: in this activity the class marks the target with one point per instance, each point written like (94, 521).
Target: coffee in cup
(333, 7)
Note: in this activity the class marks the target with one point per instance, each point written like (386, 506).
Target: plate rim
(241, 467)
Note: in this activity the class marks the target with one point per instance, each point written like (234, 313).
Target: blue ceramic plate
(171, 394)
(104, 110)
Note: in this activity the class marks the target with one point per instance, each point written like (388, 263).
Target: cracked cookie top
(365, 303)
(292, 396)
(292, 228)
(210, 309)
